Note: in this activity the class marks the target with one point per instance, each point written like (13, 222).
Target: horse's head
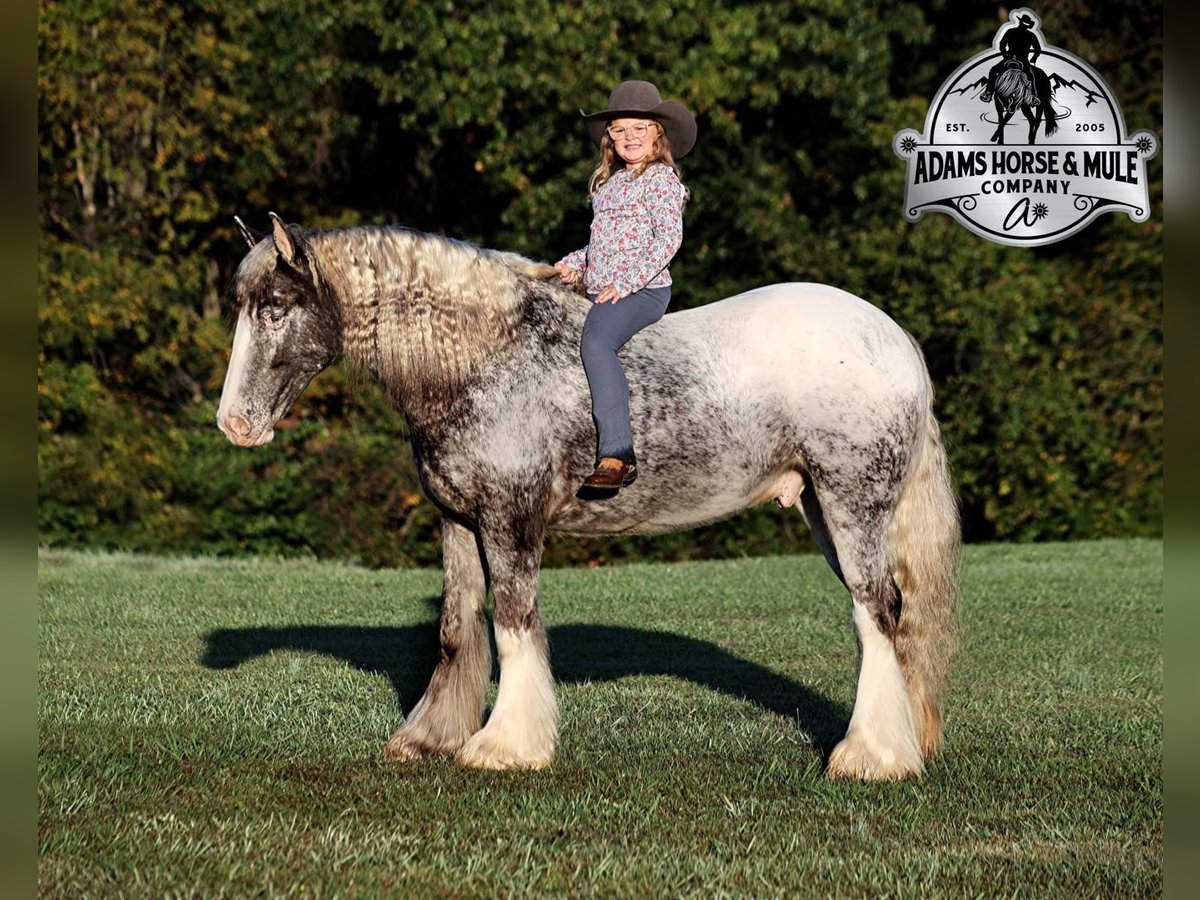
(288, 329)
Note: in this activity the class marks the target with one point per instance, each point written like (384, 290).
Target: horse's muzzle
(239, 432)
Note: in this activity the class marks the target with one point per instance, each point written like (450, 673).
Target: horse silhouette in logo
(1016, 83)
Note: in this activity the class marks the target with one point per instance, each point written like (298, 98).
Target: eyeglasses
(616, 132)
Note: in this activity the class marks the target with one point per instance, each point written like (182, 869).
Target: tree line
(159, 121)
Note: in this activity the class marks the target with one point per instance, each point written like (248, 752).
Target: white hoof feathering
(881, 742)
(522, 732)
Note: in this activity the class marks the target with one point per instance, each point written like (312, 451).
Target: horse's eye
(274, 316)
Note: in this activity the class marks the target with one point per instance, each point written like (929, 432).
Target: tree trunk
(212, 290)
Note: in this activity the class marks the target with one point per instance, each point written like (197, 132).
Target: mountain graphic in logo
(1057, 83)
(1025, 144)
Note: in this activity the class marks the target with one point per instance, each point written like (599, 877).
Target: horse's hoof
(408, 745)
(854, 758)
(402, 749)
(483, 753)
(501, 763)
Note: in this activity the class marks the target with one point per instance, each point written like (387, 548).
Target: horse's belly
(650, 506)
(710, 476)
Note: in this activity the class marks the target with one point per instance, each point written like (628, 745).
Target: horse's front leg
(522, 731)
(1002, 118)
(1034, 119)
(452, 708)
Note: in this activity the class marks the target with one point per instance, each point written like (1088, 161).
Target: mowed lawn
(213, 728)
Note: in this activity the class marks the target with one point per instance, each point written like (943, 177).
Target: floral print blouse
(637, 227)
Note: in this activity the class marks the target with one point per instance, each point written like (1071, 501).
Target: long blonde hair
(660, 152)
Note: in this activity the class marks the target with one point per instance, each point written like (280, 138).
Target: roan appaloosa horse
(798, 393)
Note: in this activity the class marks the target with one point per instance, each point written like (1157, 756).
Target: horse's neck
(351, 266)
(421, 313)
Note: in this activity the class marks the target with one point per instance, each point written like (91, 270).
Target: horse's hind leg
(452, 708)
(881, 741)
(522, 731)
(814, 517)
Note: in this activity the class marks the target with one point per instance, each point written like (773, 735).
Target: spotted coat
(799, 393)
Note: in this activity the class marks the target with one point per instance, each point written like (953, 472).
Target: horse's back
(730, 400)
(801, 340)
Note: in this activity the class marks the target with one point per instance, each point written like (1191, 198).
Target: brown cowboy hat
(641, 100)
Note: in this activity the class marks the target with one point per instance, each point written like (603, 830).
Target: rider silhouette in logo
(1015, 83)
(1016, 46)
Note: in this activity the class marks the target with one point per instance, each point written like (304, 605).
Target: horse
(798, 393)
(1015, 90)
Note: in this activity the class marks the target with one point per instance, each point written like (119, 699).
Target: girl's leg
(607, 329)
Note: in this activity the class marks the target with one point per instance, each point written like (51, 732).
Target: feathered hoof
(404, 750)
(854, 758)
(408, 746)
(485, 751)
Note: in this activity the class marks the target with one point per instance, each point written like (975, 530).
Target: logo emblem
(1025, 144)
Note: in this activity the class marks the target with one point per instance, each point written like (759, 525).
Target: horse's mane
(1014, 81)
(424, 312)
(419, 311)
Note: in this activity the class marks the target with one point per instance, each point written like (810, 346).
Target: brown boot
(611, 474)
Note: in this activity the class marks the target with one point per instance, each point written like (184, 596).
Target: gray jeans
(607, 329)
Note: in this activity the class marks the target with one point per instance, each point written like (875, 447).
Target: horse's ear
(251, 236)
(285, 243)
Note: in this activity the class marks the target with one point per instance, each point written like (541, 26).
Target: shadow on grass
(579, 653)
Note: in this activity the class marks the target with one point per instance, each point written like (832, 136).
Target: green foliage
(159, 121)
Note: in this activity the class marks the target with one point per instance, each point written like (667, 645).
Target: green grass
(214, 728)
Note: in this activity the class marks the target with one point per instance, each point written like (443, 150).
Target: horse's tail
(923, 548)
(1051, 120)
(1045, 95)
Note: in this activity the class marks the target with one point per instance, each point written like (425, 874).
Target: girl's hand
(608, 295)
(567, 274)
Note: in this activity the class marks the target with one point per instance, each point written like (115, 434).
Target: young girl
(637, 227)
